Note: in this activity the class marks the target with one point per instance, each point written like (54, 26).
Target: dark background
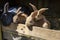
(53, 5)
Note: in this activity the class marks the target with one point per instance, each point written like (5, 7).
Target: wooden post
(0, 32)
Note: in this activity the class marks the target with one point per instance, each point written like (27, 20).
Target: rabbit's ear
(25, 15)
(19, 12)
(6, 7)
(18, 9)
(42, 10)
(34, 14)
(33, 6)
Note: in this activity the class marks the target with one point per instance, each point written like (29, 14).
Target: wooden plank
(47, 34)
(39, 32)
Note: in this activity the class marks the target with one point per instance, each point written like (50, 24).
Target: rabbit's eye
(30, 21)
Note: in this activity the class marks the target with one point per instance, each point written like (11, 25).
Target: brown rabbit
(37, 19)
(20, 17)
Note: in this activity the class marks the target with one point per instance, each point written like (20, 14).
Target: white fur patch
(45, 25)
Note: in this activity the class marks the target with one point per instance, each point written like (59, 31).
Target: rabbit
(20, 17)
(37, 19)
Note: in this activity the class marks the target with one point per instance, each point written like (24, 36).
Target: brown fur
(34, 14)
(37, 19)
(21, 18)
